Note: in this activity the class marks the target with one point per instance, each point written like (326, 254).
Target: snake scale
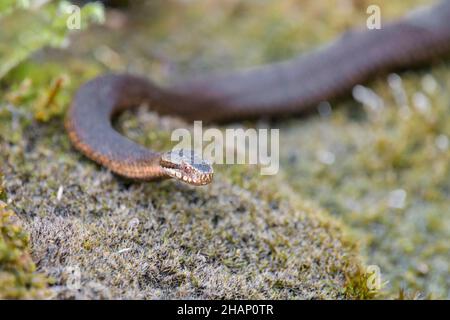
(277, 89)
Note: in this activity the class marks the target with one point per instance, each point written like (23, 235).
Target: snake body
(288, 87)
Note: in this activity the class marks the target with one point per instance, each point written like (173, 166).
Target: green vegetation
(388, 179)
(18, 278)
(382, 176)
(37, 27)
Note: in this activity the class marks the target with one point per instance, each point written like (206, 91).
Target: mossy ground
(168, 240)
(245, 236)
(389, 177)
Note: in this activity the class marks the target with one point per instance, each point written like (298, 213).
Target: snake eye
(187, 166)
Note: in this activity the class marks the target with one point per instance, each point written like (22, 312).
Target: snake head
(187, 166)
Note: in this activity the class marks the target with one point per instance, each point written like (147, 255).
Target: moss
(358, 286)
(2, 189)
(381, 183)
(18, 276)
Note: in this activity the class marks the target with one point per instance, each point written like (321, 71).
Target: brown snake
(277, 89)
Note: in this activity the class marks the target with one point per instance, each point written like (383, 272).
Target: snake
(277, 89)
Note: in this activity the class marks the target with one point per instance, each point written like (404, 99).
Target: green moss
(18, 276)
(389, 180)
(358, 287)
(47, 94)
(2, 189)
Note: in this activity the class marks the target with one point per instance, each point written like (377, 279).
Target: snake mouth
(185, 165)
(193, 179)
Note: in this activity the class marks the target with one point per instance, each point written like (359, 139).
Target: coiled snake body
(278, 89)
